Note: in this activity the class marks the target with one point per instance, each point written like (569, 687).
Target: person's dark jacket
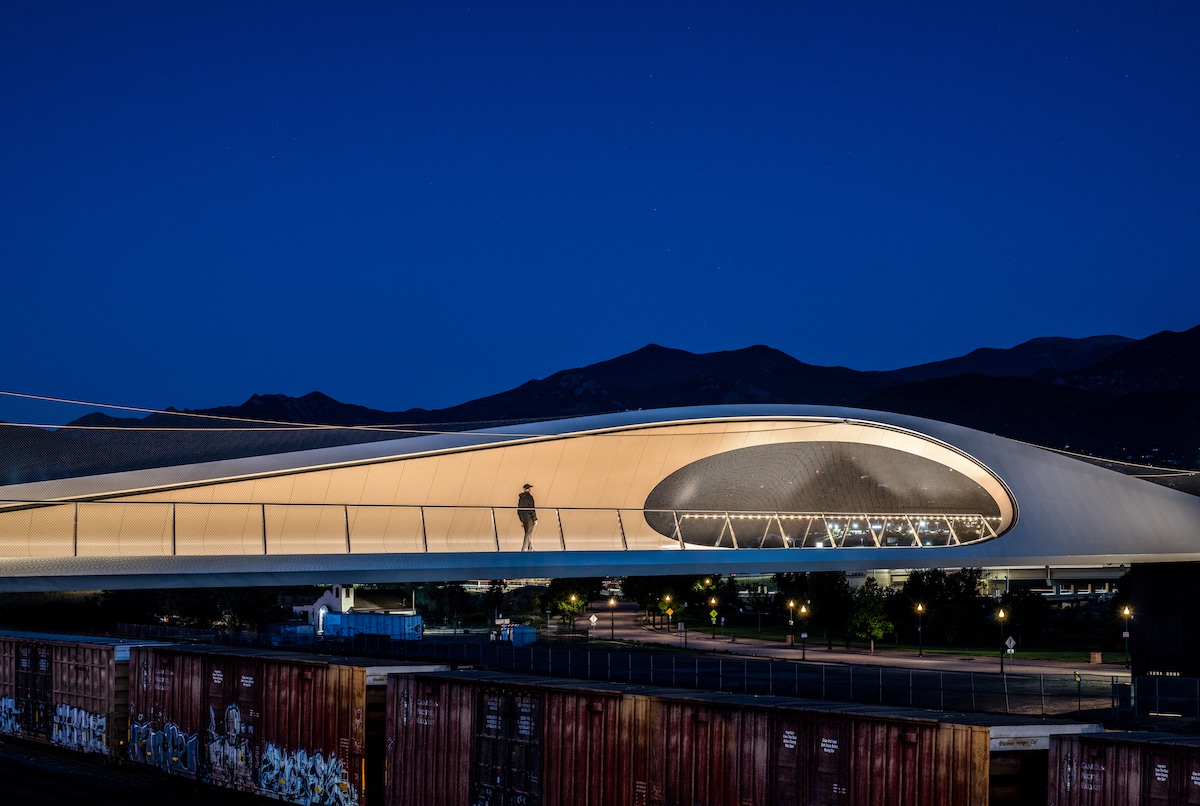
(525, 510)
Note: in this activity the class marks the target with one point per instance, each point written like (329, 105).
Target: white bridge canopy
(724, 488)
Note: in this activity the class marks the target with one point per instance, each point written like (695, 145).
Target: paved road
(625, 623)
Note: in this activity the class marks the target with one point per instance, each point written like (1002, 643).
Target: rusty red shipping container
(472, 738)
(1125, 769)
(299, 728)
(66, 690)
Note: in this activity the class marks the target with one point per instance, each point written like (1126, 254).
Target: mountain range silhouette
(1124, 402)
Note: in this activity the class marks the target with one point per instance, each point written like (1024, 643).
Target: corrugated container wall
(69, 691)
(1125, 769)
(284, 727)
(463, 739)
(430, 734)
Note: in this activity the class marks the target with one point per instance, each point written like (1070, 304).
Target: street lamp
(1000, 621)
(792, 620)
(803, 633)
(713, 603)
(1127, 613)
(612, 620)
(667, 599)
(920, 634)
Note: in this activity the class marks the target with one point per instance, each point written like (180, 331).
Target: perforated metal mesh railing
(151, 529)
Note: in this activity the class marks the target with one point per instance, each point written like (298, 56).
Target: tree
(491, 600)
(442, 600)
(1029, 611)
(952, 601)
(727, 590)
(902, 612)
(643, 590)
(830, 601)
(651, 592)
(569, 597)
(790, 587)
(868, 617)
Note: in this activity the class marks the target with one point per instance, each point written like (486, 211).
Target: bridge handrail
(191, 528)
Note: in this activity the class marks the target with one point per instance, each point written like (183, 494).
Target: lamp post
(803, 633)
(1000, 621)
(612, 617)
(667, 599)
(792, 620)
(572, 618)
(1127, 613)
(920, 633)
(713, 602)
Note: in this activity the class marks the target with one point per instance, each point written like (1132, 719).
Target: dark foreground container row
(475, 738)
(312, 729)
(298, 728)
(1125, 769)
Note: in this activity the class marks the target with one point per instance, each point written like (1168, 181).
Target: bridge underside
(213, 572)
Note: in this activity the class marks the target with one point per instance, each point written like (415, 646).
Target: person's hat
(528, 486)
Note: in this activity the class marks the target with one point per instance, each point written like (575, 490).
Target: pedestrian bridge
(738, 489)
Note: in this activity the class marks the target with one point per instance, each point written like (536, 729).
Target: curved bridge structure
(729, 489)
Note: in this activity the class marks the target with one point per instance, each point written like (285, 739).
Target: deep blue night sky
(417, 204)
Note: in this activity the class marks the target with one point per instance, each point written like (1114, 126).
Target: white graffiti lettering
(170, 749)
(307, 780)
(80, 730)
(230, 757)
(10, 717)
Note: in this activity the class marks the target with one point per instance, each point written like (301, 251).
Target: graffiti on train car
(230, 757)
(169, 748)
(77, 729)
(300, 778)
(10, 716)
(227, 759)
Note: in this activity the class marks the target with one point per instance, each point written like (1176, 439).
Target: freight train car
(66, 690)
(298, 728)
(480, 738)
(1125, 769)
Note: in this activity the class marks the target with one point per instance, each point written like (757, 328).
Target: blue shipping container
(522, 635)
(396, 626)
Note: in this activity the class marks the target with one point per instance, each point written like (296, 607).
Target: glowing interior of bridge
(719, 483)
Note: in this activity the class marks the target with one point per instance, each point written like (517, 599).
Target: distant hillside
(1164, 362)
(1159, 429)
(1052, 355)
(1106, 396)
(657, 377)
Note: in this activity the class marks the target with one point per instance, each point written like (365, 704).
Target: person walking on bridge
(528, 516)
